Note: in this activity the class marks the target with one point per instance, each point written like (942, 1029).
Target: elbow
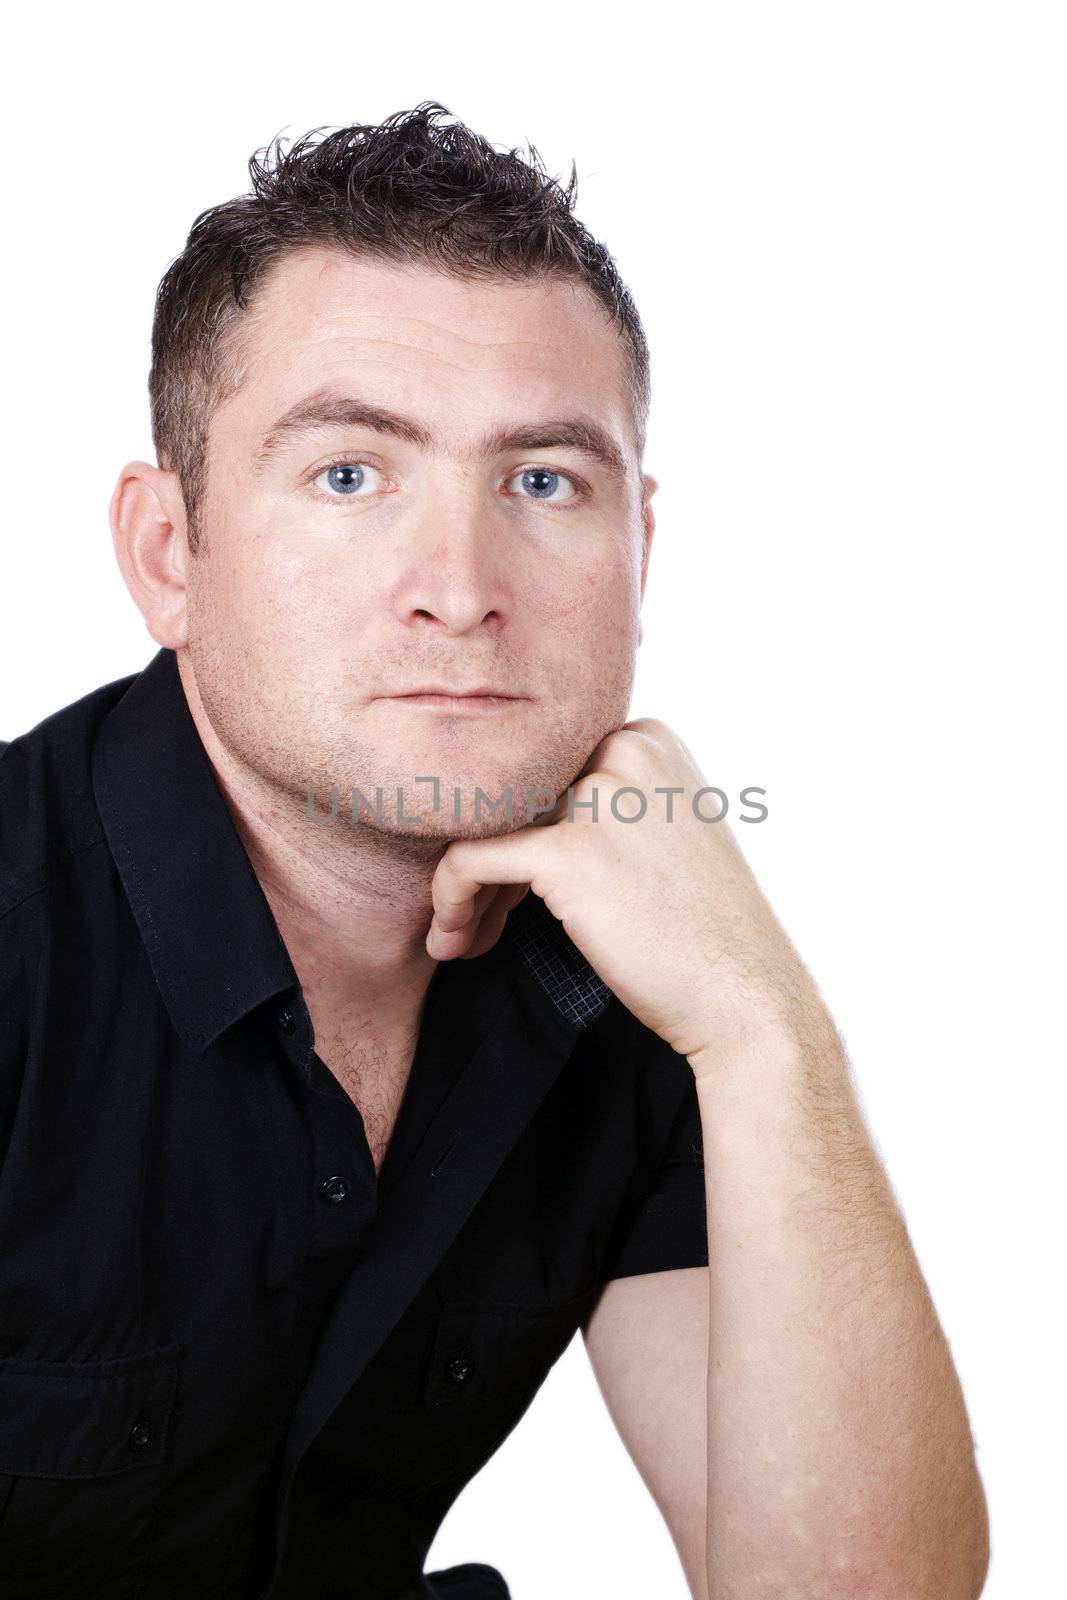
(953, 1566)
(979, 1547)
(972, 1546)
(951, 1563)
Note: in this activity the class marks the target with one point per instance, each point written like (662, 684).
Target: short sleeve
(665, 1225)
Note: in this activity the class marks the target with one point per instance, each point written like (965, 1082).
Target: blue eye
(542, 482)
(346, 478)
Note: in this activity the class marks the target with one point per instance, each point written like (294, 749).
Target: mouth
(478, 700)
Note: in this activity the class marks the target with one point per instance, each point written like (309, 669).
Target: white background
(844, 228)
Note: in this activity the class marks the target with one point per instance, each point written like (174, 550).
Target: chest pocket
(484, 1364)
(83, 1447)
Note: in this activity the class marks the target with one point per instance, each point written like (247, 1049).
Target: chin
(467, 820)
(482, 780)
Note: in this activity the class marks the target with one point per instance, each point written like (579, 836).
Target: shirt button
(459, 1370)
(335, 1189)
(140, 1436)
(285, 1021)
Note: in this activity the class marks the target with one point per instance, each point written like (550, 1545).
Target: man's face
(345, 565)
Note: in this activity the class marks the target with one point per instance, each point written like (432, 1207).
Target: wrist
(790, 1041)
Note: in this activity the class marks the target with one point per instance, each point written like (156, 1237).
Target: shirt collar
(205, 922)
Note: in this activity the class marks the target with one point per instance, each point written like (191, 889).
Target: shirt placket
(342, 1179)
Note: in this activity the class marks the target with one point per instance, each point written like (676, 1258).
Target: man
(380, 1006)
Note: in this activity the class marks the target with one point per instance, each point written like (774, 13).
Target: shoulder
(49, 825)
(47, 807)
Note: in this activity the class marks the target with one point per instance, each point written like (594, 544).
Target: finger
(456, 942)
(491, 924)
(469, 865)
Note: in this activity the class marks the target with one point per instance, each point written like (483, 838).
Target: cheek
(284, 600)
(588, 637)
(599, 600)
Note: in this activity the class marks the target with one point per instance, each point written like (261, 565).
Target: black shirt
(234, 1363)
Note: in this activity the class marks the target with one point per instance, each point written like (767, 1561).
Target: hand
(661, 903)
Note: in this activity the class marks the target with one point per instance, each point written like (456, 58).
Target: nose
(456, 581)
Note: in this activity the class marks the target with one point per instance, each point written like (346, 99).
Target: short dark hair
(409, 187)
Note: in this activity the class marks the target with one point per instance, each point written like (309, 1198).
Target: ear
(148, 532)
(648, 527)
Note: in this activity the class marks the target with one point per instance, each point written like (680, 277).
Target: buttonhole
(446, 1152)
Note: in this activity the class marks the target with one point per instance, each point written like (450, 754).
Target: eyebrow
(327, 410)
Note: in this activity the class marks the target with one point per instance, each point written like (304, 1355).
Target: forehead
(428, 340)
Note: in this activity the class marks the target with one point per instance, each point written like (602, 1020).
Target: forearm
(840, 1457)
